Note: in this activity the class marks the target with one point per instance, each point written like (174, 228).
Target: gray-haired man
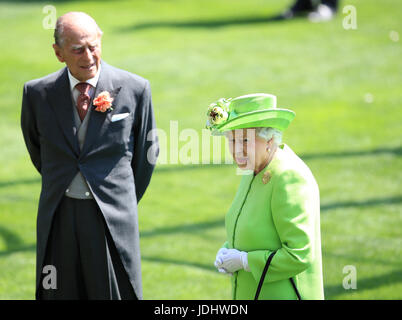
(89, 130)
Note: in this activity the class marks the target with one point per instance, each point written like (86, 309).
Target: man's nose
(88, 54)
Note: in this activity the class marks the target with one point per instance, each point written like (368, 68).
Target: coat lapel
(98, 121)
(60, 99)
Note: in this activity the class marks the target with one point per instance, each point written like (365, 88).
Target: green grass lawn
(344, 85)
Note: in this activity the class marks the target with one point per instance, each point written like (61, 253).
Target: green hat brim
(274, 118)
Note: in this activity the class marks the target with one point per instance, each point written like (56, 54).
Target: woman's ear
(269, 144)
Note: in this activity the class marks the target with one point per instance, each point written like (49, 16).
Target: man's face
(81, 51)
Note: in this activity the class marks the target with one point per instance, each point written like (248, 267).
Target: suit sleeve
(293, 202)
(29, 130)
(146, 146)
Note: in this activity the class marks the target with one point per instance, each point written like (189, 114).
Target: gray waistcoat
(78, 188)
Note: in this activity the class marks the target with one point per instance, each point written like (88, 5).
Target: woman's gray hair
(267, 133)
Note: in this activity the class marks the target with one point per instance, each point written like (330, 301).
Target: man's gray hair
(267, 133)
(59, 29)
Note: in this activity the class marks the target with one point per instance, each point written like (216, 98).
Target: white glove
(232, 260)
(218, 261)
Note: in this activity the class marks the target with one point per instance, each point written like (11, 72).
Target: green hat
(249, 111)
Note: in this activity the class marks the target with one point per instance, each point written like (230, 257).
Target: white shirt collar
(93, 81)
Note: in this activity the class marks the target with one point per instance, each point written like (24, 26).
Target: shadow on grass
(354, 259)
(204, 24)
(13, 242)
(5, 184)
(27, 248)
(10, 238)
(396, 151)
(366, 203)
(45, 1)
(217, 223)
(179, 263)
(388, 279)
(183, 228)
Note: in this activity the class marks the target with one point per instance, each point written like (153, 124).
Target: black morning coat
(117, 158)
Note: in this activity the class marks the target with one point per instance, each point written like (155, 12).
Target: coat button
(87, 194)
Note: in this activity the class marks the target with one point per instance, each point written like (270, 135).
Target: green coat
(281, 215)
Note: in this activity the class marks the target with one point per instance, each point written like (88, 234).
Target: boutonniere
(103, 102)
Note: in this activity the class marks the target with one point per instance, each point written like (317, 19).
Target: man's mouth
(89, 66)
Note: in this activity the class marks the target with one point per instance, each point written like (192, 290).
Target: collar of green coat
(270, 169)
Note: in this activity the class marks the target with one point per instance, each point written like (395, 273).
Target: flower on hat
(218, 113)
(103, 102)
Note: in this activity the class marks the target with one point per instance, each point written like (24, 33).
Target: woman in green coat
(273, 247)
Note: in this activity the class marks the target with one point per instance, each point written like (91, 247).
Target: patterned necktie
(83, 99)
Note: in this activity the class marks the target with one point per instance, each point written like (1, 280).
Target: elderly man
(89, 132)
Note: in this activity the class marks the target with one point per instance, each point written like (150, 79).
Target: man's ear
(57, 51)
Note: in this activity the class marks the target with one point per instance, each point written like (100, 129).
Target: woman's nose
(239, 148)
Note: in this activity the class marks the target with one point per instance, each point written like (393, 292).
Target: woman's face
(249, 151)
